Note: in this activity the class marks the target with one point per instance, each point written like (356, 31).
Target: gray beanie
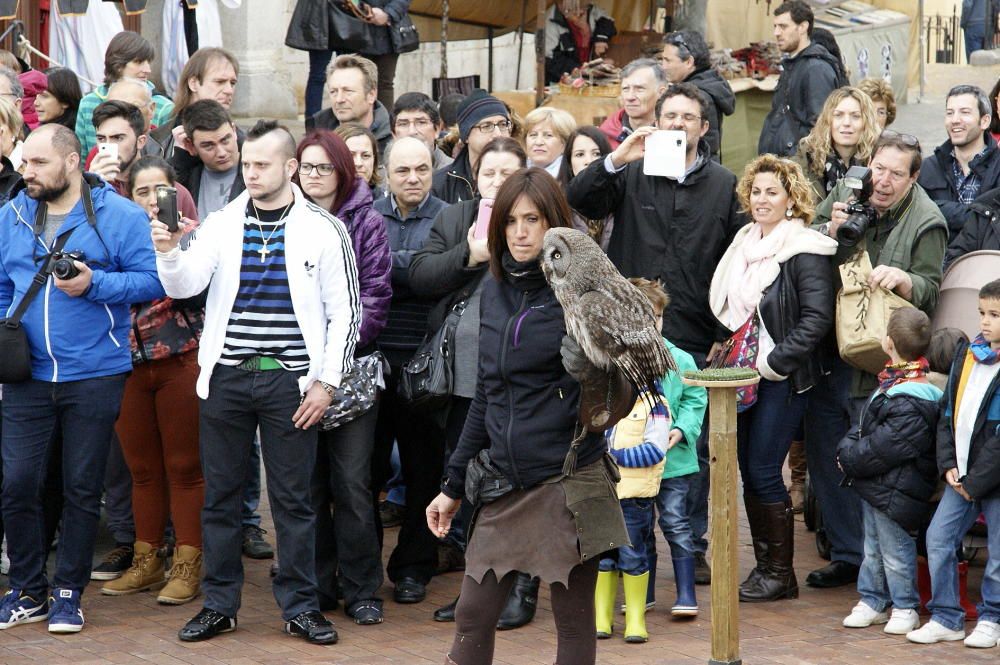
(478, 105)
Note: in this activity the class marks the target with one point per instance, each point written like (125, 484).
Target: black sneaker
(205, 625)
(254, 545)
(313, 626)
(115, 563)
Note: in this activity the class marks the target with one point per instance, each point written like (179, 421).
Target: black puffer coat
(309, 29)
(797, 309)
(440, 268)
(937, 180)
(721, 102)
(980, 231)
(526, 405)
(806, 82)
(889, 459)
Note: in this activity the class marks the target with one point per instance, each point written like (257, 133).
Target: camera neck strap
(42, 276)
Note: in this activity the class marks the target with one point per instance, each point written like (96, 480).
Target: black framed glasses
(305, 168)
(489, 127)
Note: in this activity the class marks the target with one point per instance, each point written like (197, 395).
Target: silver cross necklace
(264, 251)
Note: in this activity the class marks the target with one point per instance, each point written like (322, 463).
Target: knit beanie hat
(478, 105)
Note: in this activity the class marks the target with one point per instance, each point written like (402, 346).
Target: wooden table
(723, 469)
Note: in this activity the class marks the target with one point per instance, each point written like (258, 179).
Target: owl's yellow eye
(556, 255)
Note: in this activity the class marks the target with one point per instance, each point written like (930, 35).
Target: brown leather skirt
(540, 531)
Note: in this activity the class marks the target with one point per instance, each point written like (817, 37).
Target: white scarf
(754, 267)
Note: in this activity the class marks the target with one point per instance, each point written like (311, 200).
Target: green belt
(259, 364)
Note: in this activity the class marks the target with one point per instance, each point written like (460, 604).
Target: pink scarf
(754, 267)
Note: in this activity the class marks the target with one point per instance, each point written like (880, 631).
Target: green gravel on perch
(721, 374)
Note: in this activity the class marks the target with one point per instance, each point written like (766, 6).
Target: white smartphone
(110, 149)
(666, 153)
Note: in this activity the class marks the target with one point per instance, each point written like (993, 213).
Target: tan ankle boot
(185, 577)
(797, 465)
(146, 573)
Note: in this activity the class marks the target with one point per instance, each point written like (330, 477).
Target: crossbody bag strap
(38, 281)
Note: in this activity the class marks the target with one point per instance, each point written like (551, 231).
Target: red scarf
(900, 372)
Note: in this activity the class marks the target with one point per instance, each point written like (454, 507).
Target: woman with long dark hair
(60, 99)
(585, 145)
(524, 417)
(346, 540)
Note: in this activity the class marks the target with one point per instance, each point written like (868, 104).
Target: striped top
(262, 321)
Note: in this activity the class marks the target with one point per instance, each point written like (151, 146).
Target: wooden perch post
(723, 470)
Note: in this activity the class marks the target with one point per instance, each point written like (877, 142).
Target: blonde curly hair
(789, 174)
(818, 145)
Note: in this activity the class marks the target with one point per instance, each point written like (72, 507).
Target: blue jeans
(672, 505)
(827, 420)
(118, 495)
(888, 574)
(764, 434)
(975, 39)
(85, 411)
(316, 82)
(633, 560)
(952, 519)
(251, 491)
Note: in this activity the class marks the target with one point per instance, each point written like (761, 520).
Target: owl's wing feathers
(624, 330)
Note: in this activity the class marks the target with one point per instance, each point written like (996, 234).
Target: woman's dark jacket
(309, 29)
(889, 458)
(440, 269)
(797, 310)
(981, 229)
(982, 481)
(526, 405)
(374, 260)
(454, 183)
(10, 181)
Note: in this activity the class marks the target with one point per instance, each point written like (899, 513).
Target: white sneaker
(984, 636)
(933, 632)
(902, 622)
(863, 616)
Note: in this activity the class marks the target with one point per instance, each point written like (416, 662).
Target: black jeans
(238, 402)
(421, 455)
(346, 539)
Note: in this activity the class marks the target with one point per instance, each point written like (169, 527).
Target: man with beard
(281, 319)
(78, 335)
(968, 163)
(118, 124)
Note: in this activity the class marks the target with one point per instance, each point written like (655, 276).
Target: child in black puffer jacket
(890, 461)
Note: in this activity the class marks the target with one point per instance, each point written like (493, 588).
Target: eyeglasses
(489, 127)
(305, 168)
(419, 123)
(909, 140)
(686, 117)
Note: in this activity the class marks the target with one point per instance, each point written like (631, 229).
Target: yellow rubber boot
(604, 602)
(635, 607)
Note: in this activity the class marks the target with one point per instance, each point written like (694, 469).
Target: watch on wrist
(330, 390)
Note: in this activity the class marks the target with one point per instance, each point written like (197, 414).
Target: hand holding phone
(166, 207)
(483, 219)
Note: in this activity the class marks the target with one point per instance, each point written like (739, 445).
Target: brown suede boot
(797, 465)
(146, 573)
(185, 577)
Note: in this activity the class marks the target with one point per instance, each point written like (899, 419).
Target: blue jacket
(88, 336)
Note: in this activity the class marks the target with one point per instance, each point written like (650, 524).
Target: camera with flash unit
(860, 213)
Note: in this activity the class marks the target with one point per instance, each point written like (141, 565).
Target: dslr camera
(62, 264)
(860, 214)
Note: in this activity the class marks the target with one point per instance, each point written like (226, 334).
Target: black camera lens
(64, 269)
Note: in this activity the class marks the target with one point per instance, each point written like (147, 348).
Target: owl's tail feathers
(645, 366)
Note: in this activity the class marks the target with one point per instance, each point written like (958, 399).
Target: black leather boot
(758, 534)
(778, 579)
(521, 603)
(446, 613)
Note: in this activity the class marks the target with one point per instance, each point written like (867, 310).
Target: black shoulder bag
(404, 35)
(15, 353)
(427, 380)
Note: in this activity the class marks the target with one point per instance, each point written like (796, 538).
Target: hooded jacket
(309, 28)
(526, 406)
(381, 125)
(889, 458)
(88, 336)
(616, 127)
(34, 82)
(796, 308)
(455, 183)
(982, 480)
(721, 102)
(668, 230)
(936, 179)
(806, 81)
(371, 251)
(980, 231)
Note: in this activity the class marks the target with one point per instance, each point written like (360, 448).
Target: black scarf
(522, 275)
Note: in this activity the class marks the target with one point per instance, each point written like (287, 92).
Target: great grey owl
(609, 318)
